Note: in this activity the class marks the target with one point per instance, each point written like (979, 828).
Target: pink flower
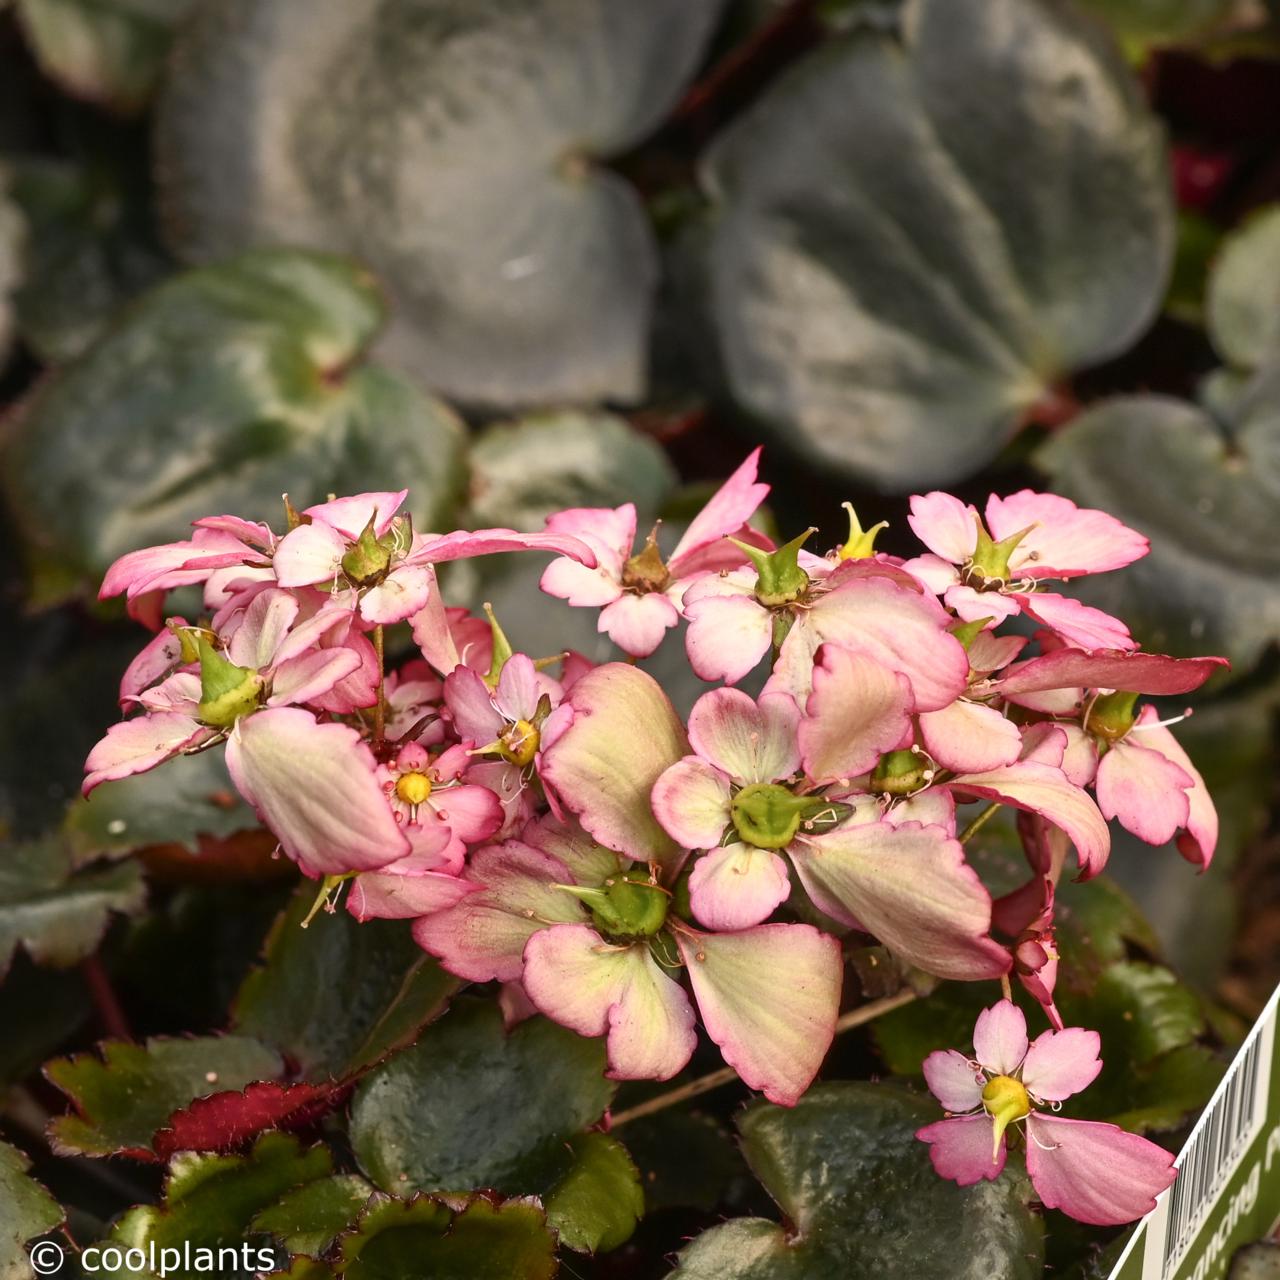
(639, 595)
(505, 720)
(995, 570)
(1096, 1173)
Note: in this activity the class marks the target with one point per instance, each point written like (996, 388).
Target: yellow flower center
(519, 744)
(413, 788)
(1005, 1100)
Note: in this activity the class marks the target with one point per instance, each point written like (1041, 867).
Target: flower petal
(1065, 540)
(483, 937)
(350, 516)
(1070, 668)
(262, 628)
(1043, 789)
(637, 624)
(858, 709)
(1198, 842)
(470, 702)
(945, 525)
(909, 886)
(465, 544)
(136, 745)
(737, 886)
(314, 786)
(403, 593)
(953, 1080)
(750, 741)
(1060, 1063)
(933, 572)
(960, 1149)
(692, 802)
(609, 531)
(1000, 1038)
(302, 680)
(1095, 1172)
(970, 737)
(588, 863)
(1079, 624)
(622, 733)
(596, 988)
(1145, 790)
(769, 998)
(728, 509)
(381, 895)
(727, 636)
(309, 554)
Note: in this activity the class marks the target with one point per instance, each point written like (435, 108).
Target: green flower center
(227, 691)
(629, 906)
(899, 773)
(767, 816)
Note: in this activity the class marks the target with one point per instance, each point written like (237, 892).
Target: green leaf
(479, 1240)
(91, 247)
(685, 1158)
(1244, 293)
(311, 1217)
(57, 914)
(27, 1210)
(911, 247)
(124, 1096)
(458, 147)
(523, 471)
(596, 1205)
(40, 1010)
(1205, 494)
(211, 1201)
(191, 797)
(108, 51)
(338, 996)
(258, 361)
(471, 1105)
(861, 1200)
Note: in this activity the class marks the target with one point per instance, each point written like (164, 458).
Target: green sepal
(861, 543)
(501, 648)
(898, 773)
(366, 563)
(968, 632)
(227, 691)
(1111, 715)
(628, 906)
(646, 568)
(990, 560)
(781, 580)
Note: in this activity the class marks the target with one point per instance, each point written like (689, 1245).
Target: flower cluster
(555, 826)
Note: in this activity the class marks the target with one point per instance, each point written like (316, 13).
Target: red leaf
(226, 1121)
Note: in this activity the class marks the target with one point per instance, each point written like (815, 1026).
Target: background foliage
(519, 256)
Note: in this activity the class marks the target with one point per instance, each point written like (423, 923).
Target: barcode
(1210, 1157)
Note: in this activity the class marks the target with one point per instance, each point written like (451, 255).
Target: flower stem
(105, 1001)
(726, 1075)
(380, 711)
(979, 822)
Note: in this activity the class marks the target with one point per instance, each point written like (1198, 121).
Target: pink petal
(582, 587)
(609, 531)
(954, 1081)
(911, 888)
(737, 886)
(161, 654)
(1077, 623)
(1070, 668)
(464, 545)
(935, 807)
(178, 692)
(769, 998)
(262, 628)
(622, 734)
(171, 565)
(253, 532)
(470, 702)
(596, 988)
(1042, 789)
(1000, 1038)
(357, 690)
(473, 813)
(1095, 1172)
(945, 525)
(729, 508)
(970, 737)
(519, 688)
(637, 624)
(315, 787)
(309, 554)
(750, 741)
(937, 575)
(727, 636)
(1073, 751)
(1060, 1063)
(960, 1149)
(1198, 842)
(136, 745)
(350, 516)
(403, 593)
(378, 895)
(588, 863)
(858, 709)
(973, 606)
(1067, 540)
(483, 937)
(1145, 790)
(903, 629)
(692, 801)
(302, 680)
(989, 652)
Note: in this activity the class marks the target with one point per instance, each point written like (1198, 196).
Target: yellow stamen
(1005, 1100)
(413, 788)
(520, 743)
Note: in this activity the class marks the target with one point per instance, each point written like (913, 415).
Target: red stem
(109, 1009)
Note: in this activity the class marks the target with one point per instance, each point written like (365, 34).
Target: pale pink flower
(1096, 1173)
(638, 594)
(995, 570)
(505, 720)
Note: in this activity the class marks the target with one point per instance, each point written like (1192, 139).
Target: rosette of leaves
(915, 235)
(457, 146)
